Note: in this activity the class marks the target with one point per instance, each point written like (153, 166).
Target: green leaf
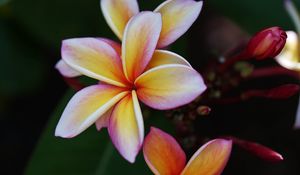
(22, 66)
(55, 20)
(3, 2)
(254, 15)
(90, 153)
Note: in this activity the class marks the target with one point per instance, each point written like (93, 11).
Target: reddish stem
(280, 92)
(273, 71)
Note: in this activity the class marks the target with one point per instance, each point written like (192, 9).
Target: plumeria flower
(290, 55)
(164, 156)
(135, 71)
(177, 17)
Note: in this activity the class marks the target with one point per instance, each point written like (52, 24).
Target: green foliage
(90, 153)
(21, 65)
(254, 15)
(55, 20)
(3, 2)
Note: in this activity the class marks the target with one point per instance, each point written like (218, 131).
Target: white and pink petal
(163, 154)
(65, 70)
(86, 107)
(118, 12)
(126, 127)
(169, 86)
(210, 159)
(184, 11)
(94, 58)
(140, 40)
(162, 57)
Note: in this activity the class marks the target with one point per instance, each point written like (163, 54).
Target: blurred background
(33, 94)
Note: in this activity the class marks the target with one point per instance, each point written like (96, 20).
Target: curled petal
(162, 153)
(126, 127)
(161, 57)
(94, 58)
(210, 159)
(118, 12)
(103, 121)
(66, 70)
(140, 40)
(289, 56)
(86, 107)
(184, 11)
(169, 86)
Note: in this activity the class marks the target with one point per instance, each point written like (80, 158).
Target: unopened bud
(267, 43)
(203, 110)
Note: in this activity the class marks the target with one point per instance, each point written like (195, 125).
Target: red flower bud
(267, 43)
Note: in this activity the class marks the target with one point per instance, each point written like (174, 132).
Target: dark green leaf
(3, 2)
(21, 65)
(90, 153)
(52, 21)
(254, 15)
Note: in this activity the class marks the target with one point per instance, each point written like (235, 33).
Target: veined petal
(126, 127)
(117, 46)
(118, 12)
(210, 159)
(161, 57)
(163, 154)
(66, 70)
(94, 58)
(140, 40)
(169, 86)
(177, 18)
(289, 56)
(103, 121)
(85, 107)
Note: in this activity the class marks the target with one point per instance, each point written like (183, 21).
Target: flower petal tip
(130, 158)
(65, 70)
(279, 156)
(160, 89)
(162, 153)
(184, 11)
(60, 133)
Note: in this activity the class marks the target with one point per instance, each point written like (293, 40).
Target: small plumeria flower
(128, 73)
(164, 156)
(177, 18)
(290, 55)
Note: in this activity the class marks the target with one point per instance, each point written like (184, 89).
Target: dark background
(30, 88)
